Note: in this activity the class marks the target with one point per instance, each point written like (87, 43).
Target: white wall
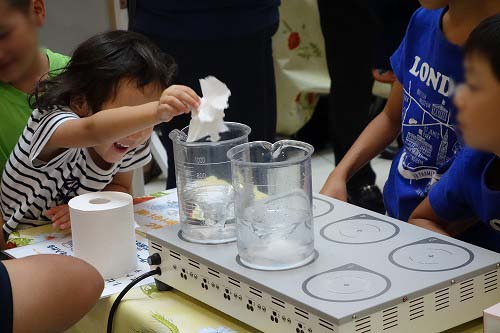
(69, 22)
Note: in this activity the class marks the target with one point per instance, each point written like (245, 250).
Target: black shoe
(369, 197)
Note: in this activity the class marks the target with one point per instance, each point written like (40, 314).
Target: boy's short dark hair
(22, 5)
(97, 67)
(485, 40)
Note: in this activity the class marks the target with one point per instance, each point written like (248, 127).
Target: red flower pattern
(293, 40)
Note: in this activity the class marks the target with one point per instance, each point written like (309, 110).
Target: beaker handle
(177, 135)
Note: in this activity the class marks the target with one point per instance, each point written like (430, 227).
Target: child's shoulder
(425, 18)
(56, 60)
(50, 115)
(473, 161)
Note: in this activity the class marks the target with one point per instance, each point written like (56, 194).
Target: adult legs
(349, 30)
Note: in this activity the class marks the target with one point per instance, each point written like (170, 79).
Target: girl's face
(18, 39)
(127, 94)
(478, 103)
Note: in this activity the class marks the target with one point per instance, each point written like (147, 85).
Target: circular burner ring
(431, 250)
(391, 229)
(181, 236)
(323, 201)
(347, 281)
(242, 264)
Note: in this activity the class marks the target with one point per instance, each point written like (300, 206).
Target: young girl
(70, 147)
(22, 63)
(428, 64)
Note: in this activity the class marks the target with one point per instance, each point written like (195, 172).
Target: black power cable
(114, 307)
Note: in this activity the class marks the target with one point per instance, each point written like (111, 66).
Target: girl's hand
(176, 100)
(335, 187)
(60, 217)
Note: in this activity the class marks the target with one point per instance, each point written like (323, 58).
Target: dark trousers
(245, 65)
(349, 30)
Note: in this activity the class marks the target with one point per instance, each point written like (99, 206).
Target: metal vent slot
(416, 308)
(363, 325)
(390, 318)
(325, 324)
(490, 281)
(277, 302)
(234, 282)
(302, 313)
(213, 272)
(175, 255)
(193, 263)
(442, 299)
(255, 292)
(466, 290)
(156, 247)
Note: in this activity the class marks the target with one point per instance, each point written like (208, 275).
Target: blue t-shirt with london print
(429, 67)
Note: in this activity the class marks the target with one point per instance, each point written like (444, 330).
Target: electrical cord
(114, 307)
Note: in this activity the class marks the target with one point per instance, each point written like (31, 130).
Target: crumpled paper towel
(208, 119)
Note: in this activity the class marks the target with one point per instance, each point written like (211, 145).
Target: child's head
(100, 67)
(109, 70)
(19, 22)
(433, 4)
(478, 101)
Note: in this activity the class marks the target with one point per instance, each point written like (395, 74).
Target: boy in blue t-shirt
(428, 65)
(468, 195)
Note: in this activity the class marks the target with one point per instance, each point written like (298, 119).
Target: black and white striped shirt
(30, 187)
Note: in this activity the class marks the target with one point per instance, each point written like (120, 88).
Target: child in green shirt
(22, 64)
(79, 285)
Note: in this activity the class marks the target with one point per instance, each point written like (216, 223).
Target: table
(145, 310)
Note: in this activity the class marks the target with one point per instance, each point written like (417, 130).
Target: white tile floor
(322, 165)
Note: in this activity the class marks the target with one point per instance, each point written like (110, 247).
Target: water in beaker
(273, 200)
(204, 185)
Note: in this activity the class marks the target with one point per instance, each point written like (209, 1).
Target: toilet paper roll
(103, 232)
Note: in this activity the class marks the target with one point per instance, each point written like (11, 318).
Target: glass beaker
(273, 203)
(204, 187)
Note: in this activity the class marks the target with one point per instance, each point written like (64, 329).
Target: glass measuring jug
(273, 204)
(203, 174)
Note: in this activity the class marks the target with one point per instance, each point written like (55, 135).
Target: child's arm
(424, 216)
(59, 215)
(379, 133)
(122, 182)
(110, 125)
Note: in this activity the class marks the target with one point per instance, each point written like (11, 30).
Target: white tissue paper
(208, 119)
(103, 232)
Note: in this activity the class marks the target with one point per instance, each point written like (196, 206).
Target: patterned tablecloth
(145, 309)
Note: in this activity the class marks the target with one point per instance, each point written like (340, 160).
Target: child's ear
(79, 106)
(38, 10)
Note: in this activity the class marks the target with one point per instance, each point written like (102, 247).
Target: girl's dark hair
(22, 5)
(98, 65)
(485, 40)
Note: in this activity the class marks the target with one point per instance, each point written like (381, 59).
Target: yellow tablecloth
(146, 310)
